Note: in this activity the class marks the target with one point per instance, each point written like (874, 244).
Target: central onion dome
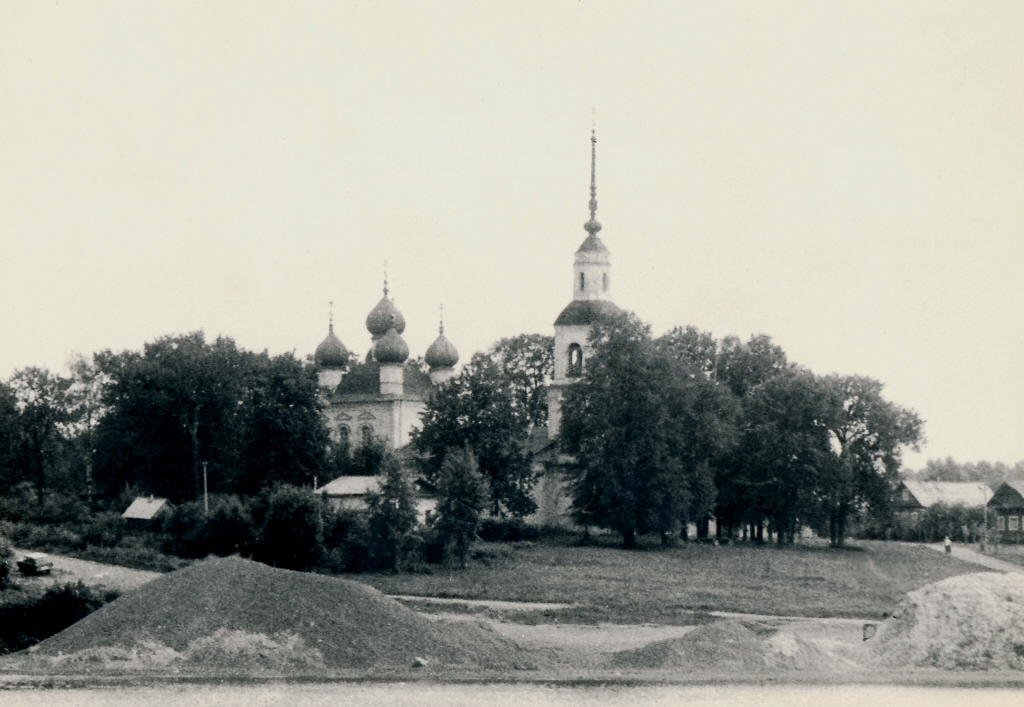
(384, 316)
(391, 348)
(442, 353)
(331, 353)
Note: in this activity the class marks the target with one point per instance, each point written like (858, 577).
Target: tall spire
(592, 226)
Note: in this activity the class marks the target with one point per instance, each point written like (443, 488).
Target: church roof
(592, 243)
(586, 312)
(364, 379)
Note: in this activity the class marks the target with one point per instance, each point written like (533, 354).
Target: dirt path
(968, 554)
(70, 569)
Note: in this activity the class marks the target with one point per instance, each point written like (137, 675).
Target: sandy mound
(722, 645)
(969, 622)
(229, 613)
(787, 650)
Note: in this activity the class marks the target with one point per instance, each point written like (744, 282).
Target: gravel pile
(718, 646)
(968, 622)
(229, 613)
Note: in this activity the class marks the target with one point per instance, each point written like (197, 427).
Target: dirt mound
(228, 613)
(968, 622)
(786, 650)
(722, 645)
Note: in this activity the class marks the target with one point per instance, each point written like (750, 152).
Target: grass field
(668, 585)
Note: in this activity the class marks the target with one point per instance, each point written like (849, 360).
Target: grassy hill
(668, 585)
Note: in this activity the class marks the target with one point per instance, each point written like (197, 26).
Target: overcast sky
(845, 177)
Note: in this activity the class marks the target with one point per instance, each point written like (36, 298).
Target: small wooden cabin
(146, 511)
(1006, 512)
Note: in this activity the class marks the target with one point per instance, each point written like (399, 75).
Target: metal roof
(967, 493)
(350, 486)
(145, 508)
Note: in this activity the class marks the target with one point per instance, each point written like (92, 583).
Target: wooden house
(1006, 512)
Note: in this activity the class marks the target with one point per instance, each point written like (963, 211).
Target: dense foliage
(492, 406)
(678, 429)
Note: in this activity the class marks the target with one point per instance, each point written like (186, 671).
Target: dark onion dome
(442, 353)
(390, 348)
(331, 353)
(384, 316)
(586, 312)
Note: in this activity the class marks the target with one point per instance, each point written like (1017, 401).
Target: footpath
(969, 554)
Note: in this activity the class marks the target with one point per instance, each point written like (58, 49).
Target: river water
(502, 695)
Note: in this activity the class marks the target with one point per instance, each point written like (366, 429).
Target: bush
(346, 541)
(506, 530)
(392, 517)
(292, 533)
(464, 494)
(105, 529)
(28, 618)
(50, 538)
(226, 530)
(6, 553)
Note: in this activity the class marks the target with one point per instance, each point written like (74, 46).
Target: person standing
(949, 545)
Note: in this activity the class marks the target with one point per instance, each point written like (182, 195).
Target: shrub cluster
(27, 618)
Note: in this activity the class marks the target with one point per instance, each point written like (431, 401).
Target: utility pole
(206, 495)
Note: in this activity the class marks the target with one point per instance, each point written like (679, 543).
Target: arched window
(604, 281)
(575, 361)
(582, 281)
(367, 433)
(343, 439)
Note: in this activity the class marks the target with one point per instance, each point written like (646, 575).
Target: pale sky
(845, 177)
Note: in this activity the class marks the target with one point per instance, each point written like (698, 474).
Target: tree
(642, 423)
(392, 515)
(784, 444)
(526, 362)
(41, 399)
(285, 439)
(491, 406)
(255, 420)
(463, 497)
(742, 367)
(9, 436)
(867, 434)
(292, 533)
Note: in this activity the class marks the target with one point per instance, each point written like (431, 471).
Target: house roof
(145, 508)
(967, 493)
(1006, 492)
(350, 486)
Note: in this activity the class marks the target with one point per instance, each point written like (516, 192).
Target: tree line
(676, 430)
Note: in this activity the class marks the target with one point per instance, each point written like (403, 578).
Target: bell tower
(591, 275)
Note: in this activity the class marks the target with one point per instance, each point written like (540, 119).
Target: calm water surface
(500, 695)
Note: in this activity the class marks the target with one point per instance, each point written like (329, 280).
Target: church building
(383, 396)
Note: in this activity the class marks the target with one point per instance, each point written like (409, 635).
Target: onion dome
(391, 348)
(442, 353)
(331, 353)
(384, 316)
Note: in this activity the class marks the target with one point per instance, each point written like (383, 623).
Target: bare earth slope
(218, 612)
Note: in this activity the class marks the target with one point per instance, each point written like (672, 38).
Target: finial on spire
(385, 277)
(440, 327)
(330, 316)
(592, 226)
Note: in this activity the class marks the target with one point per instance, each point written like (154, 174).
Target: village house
(913, 497)
(147, 511)
(1006, 512)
